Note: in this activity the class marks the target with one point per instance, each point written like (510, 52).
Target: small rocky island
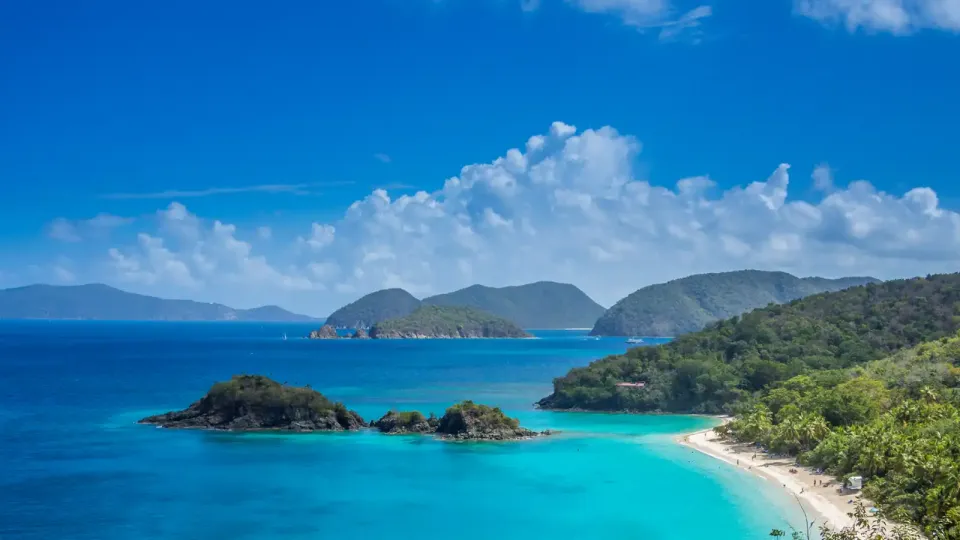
(325, 332)
(465, 421)
(406, 422)
(328, 332)
(257, 403)
(469, 421)
(448, 322)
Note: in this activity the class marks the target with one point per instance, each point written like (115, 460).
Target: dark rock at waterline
(360, 334)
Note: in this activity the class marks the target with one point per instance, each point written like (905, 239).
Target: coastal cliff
(257, 403)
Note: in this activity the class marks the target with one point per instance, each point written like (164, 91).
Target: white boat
(635, 340)
(284, 336)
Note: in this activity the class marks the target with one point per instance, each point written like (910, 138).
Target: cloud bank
(893, 16)
(567, 207)
(899, 17)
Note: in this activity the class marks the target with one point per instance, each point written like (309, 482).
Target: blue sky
(213, 150)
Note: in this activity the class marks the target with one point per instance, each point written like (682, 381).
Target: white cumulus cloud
(568, 207)
(194, 256)
(894, 16)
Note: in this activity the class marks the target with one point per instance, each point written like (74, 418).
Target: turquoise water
(74, 464)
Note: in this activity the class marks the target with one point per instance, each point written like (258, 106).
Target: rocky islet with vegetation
(257, 403)
(250, 403)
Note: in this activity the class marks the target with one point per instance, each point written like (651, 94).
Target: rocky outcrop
(404, 422)
(257, 403)
(360, 334)
(471, 421)
(325, 332)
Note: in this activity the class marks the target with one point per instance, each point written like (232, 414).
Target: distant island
(257, 403)
(689, 304)
(447, 322)
(102, 302)
(465, 421)
(433, 322)
(543, 304)
(373, 308)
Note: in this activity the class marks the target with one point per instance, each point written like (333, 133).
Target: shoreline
(823, 504)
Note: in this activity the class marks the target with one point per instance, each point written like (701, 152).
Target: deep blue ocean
(74, 465)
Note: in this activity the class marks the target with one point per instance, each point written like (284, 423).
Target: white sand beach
(823, 502)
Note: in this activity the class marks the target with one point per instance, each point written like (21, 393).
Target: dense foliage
(406, 422)
(864, 528)
(105, 303)
(896, 422)
(536, 305)
(447, 321)
(689, 304)
(260, 392)
(731, 360)
(373, 308)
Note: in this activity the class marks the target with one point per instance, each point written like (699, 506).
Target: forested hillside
(689, 304)
(710, 370)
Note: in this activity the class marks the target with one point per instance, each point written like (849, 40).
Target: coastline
(823, 504)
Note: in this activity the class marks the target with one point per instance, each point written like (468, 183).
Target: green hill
(689, 304)
(710, 370)
(102, 302)
(373, 308)
(447, 322)
(536, 305)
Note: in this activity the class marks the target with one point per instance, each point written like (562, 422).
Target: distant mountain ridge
(688, 304)
(102, 302)
(544, 304)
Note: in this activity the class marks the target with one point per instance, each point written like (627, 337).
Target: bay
(74, 464)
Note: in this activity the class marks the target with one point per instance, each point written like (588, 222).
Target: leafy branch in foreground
(864, 527)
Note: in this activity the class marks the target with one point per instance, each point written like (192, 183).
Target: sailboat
(284, 336)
